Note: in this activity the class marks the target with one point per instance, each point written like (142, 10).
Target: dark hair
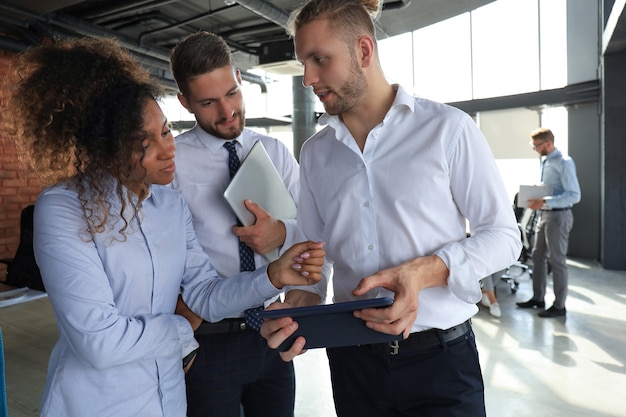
(76, 111)
(351, 19)
(198, 54)
(111, 134)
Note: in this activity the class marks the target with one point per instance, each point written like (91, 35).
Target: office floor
(573, 366)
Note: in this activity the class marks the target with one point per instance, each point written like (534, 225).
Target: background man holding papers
(554, 223)
(234, 364)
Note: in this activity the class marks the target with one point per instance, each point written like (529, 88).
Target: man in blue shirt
(554, 224)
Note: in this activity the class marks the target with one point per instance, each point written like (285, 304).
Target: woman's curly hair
(77, 112)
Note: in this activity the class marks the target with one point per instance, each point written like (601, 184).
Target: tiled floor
(573, 366)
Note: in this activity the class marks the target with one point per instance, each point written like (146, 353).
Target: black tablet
(332, 325)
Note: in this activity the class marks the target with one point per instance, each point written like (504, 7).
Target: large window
(396, 58)
(506, 47)
(553, 45)
(443, 60)
(508, 134)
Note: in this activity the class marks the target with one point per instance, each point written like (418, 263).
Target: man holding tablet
(389, 184)
(234, 364)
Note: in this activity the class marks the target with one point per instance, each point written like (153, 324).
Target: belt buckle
(394, 347)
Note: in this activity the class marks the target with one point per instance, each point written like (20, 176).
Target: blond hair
(351, 19)
(544, 134)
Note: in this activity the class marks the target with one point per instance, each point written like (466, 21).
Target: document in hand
(332, 325)
(531, 192)
(258, 180)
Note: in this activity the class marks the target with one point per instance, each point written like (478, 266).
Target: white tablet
(258, 180)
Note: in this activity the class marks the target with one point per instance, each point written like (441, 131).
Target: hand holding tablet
(332, 325)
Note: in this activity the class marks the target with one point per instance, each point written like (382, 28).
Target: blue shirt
(120, 346)
(559, 172)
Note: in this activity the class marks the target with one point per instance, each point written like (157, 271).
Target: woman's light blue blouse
(120, 346)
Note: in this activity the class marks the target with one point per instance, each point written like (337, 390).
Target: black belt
(221, 327)
(425, 339)
(558, 209)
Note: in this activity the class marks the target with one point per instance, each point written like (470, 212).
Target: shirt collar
(402, 99)
(151, 195)
(554, 154)
(213, 143)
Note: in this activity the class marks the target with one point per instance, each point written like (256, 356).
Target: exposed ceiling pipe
(182, 23)
(6, 20)
(266, 10)
(280, 17)
(396, 4)
(81, 27)
(9, 44)
(87, 29)
(249, 30)
(152, 56)
(112, 10)
(130, 21)
(254, 79)
(25, 36)
(160, 61)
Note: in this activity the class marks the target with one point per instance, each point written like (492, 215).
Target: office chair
(512, 275)
(22, 269)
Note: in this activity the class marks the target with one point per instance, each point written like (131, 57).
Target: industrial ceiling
(254, 29)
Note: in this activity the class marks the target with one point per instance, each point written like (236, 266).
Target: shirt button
(366, 204)
(370, 247)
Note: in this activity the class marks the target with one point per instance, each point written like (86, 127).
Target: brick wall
(18, 186)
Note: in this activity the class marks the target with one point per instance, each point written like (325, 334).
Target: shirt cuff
(461, 280)
(319, 288)
(262, 284)
(291, 227)
(185, 333)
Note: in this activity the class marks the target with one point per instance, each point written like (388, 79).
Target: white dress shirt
(424, 170)
(120, 344)
(202, 176)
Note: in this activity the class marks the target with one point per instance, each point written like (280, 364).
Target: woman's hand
(301, 264)
(182, 310)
